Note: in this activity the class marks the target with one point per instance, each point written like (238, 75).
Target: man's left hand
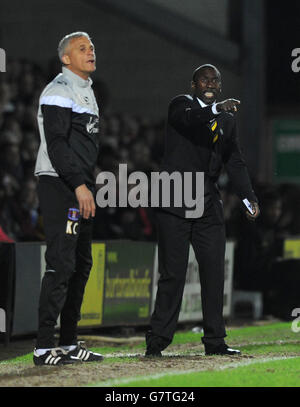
(256, 211)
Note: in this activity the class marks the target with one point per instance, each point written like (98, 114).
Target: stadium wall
(123, 282)
(121, 289)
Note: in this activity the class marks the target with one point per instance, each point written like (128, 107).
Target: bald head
(206, 83)
(197, 72)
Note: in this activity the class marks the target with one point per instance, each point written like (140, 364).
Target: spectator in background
(4, 237)
(231, 206)
(29, 150)
(259, 244)
(129, 130)
(137, 141)
(140, 155)
(106, 223)
(10, 161)
(153, 137)
(27, 212)
(289, 222)
(9, 188)
(5, 98)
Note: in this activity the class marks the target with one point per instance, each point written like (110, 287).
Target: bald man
(201, 137)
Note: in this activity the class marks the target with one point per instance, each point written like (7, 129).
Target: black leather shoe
(153, 353)
(155, 344)
(222, 349)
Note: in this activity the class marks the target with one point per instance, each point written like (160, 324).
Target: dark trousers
(68, 262)
(207, 236)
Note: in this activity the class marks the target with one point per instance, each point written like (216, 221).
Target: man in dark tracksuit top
(201, 137)
(68, 122)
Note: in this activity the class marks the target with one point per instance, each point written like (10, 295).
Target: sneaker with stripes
(54, 357)
(84, 354)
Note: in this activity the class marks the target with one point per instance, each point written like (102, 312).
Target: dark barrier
(191, 308)
(28, 262)
(118, 291)
(282, 295)
(7, 274)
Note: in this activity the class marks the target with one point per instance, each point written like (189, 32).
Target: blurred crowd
(137, 142)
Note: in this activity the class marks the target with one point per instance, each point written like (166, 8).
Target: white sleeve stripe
(65, 102)
(57, 101)
(78, 109)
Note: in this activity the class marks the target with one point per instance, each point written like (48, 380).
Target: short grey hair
(63, 43)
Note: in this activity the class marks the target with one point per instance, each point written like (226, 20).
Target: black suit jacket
(189, 147)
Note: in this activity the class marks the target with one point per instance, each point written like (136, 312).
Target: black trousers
(68, 262)
(207, 236)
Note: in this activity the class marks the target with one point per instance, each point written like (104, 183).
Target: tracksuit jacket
(68, 120)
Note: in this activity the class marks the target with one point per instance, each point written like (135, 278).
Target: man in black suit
(201, 137)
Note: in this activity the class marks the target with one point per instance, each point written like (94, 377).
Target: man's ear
(66, 59)
(193, 85)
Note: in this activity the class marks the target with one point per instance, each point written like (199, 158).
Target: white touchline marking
(183, 372)
(132, 355)
(253, 361)
(173, 354)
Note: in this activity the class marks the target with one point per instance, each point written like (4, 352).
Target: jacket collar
(201, 103)
(82, 83)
